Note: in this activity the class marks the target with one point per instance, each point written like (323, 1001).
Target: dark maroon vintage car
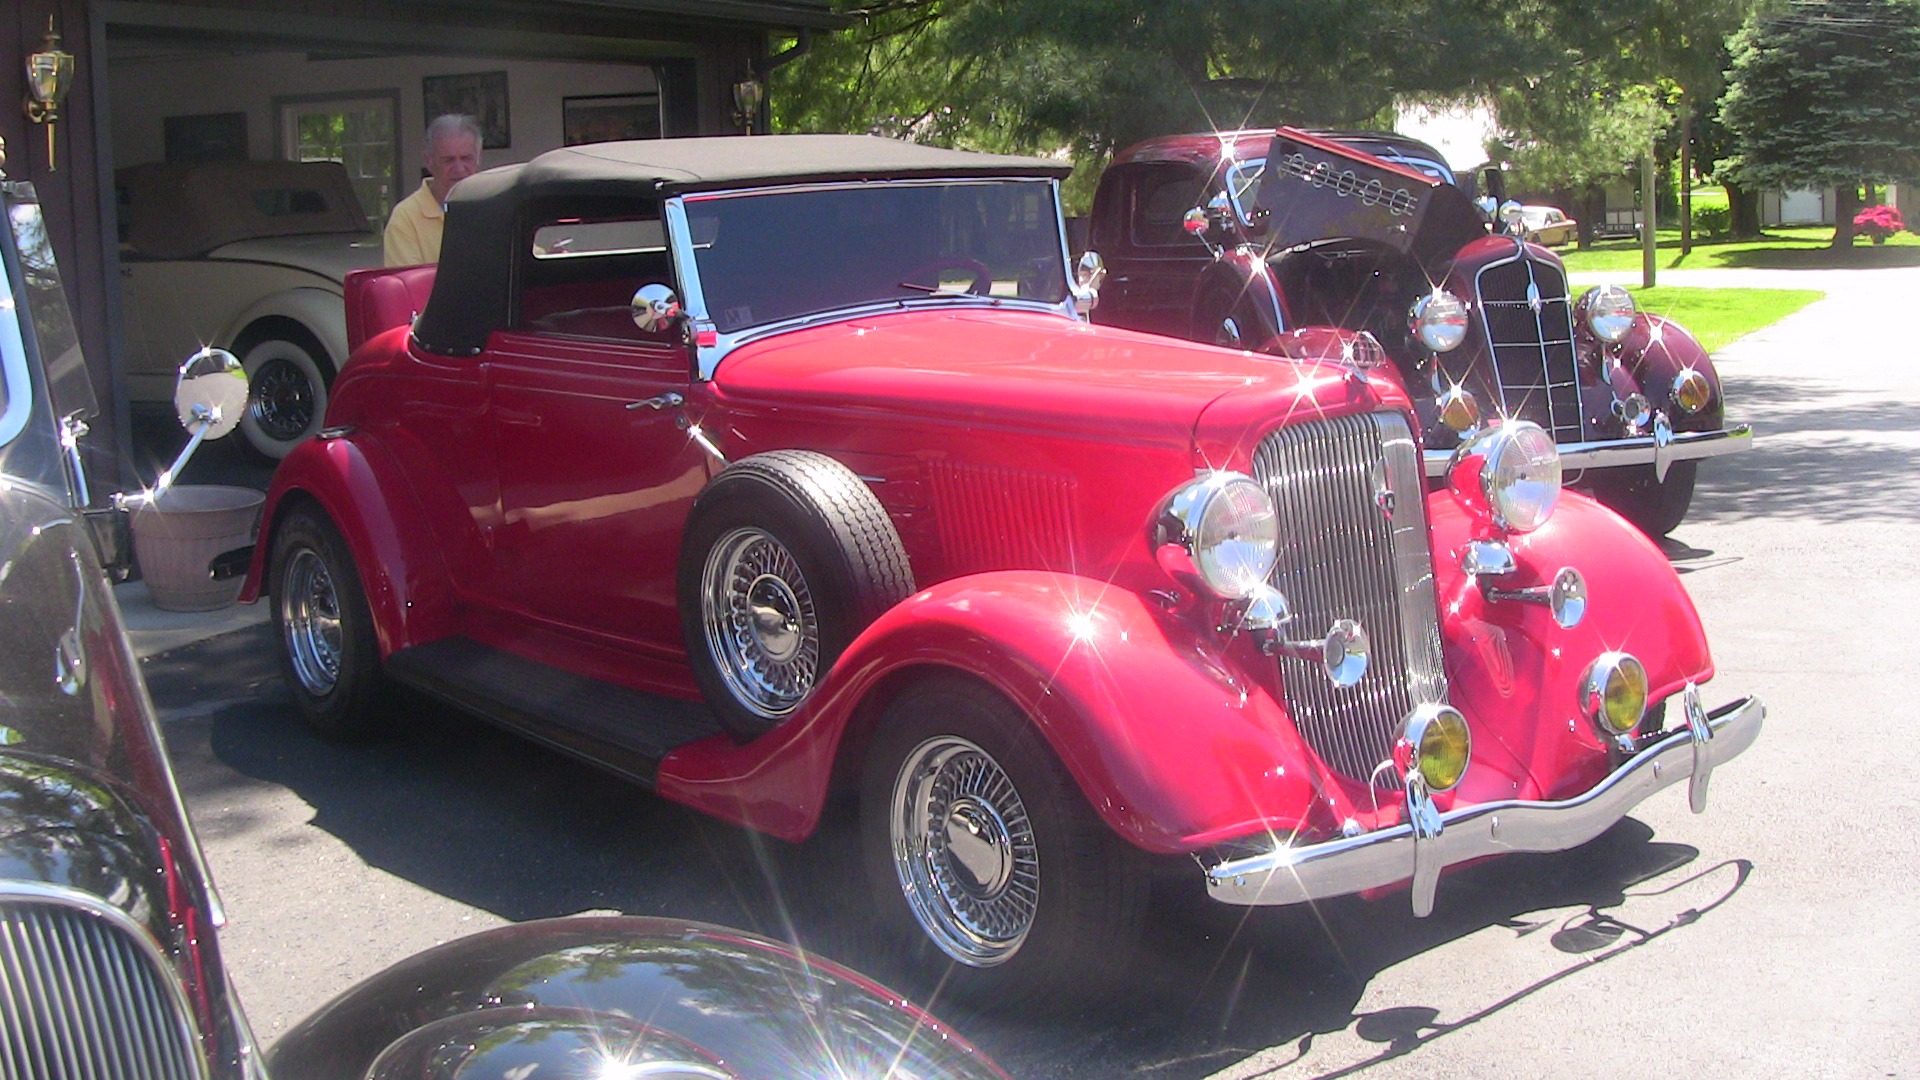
(781, 475)
(110, 962)
(1266, 239)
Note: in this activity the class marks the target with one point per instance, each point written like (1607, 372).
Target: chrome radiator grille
(83, 998)
(1528, 322)
(1352, 500)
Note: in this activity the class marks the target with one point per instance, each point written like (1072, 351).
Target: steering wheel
(927, 276)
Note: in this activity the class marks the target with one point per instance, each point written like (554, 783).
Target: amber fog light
(1691, 390)
(1458, 409)
(1614, 694)
(1436, 742)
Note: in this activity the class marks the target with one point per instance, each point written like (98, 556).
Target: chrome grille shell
(1351, 493)
(1526, 322)
(85, 994)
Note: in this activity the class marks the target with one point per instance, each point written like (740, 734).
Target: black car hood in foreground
(580, 998)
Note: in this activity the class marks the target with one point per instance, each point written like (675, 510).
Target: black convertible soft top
(471, 297)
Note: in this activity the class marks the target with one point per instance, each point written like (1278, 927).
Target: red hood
(1021, 369)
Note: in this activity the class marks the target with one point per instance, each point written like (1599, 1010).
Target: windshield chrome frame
(693, 295)
(13, 355)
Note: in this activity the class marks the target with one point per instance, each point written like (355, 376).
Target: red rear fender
(362, 491)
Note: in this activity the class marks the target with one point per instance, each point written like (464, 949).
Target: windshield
(764, 257)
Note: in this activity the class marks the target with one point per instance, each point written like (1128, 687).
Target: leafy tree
(1827, 92)
(1089, 76)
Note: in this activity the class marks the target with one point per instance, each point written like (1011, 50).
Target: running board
(625, 731)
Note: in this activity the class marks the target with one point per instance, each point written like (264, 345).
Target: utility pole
(1647, 247)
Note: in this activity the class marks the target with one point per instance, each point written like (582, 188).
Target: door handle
(668, 400)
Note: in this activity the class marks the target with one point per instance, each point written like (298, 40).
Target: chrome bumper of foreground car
(1660, 449)
(1429, 840)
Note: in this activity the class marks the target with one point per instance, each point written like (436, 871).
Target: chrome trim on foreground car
(1643, 450)
(1293, 875)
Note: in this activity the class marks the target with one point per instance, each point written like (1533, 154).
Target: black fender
(651, 989)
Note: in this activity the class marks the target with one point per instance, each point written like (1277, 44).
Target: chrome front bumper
(1660, 449)
(1429, 841)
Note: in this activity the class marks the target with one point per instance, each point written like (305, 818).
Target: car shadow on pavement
(1821, 452)
(465, 811)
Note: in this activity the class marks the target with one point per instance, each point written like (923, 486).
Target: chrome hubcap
(760, 622)
(310, 621)
(964, 851)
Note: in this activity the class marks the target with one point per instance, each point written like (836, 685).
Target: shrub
(1878, 222)
(1712, 220)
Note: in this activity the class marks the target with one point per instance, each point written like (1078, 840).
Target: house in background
(356, 81)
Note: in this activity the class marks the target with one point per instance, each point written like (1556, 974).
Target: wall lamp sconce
(748, 93)
(49, 77)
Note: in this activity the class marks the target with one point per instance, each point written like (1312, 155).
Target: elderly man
(452, 155)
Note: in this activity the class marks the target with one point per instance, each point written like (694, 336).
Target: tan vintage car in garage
(247, 256)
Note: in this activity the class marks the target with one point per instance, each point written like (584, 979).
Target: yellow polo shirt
(413, 232)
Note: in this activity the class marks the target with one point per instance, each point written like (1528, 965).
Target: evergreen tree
(1827, 92)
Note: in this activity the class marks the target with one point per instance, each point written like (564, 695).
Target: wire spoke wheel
(964, 850)
(310, 621)
(760, 621)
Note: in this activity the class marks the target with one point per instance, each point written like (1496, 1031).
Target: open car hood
(1316, 189)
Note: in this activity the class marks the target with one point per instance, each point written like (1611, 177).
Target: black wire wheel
(328, 655)
(786, 557)
(287, 379)
(1656, 506)
(985, 860)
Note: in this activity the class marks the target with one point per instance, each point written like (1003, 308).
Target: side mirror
(1199, 220)
(209, 397)
(1088, 273)
(655, 307)
(211, 393)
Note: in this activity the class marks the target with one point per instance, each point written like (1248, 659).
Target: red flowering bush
(1878, 222)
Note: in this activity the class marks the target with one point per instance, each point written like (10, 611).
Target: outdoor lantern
(49, 77)
(747, 95)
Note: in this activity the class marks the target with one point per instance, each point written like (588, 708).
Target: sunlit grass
(1719, 316)
(1780, 248)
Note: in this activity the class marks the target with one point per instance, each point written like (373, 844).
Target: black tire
(1058, 916)
(328, 654)
(786, 557)
(1656, 508)
(288, 375)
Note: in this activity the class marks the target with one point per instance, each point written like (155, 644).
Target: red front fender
(1167, 739)
(360, 487)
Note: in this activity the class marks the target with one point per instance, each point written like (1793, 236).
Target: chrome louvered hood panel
(1526, 318)
(1351, 494)
(84, 995)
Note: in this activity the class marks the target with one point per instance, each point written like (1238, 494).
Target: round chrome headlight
(1608, 311)
(1437, 742)
(1691, 391)
(1508, 473)
(1614, 693)
(1439, 320)
(1222, 531)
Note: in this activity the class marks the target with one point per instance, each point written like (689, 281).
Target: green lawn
(1718, 316)
(1802, 248)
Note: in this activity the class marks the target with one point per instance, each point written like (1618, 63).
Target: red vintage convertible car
(1266, 239)
(780, 474)
(110, 953)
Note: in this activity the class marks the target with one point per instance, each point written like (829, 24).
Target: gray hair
(451, 124)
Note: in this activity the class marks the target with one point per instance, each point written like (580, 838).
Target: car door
(591, 419)
(1153, 263)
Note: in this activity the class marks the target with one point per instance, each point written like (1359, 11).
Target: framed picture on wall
(481, 95)
(206, 137)
(609, 117)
